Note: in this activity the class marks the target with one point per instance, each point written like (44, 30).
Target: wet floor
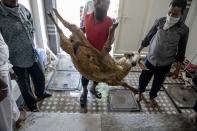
(66, 89)
(118, 109)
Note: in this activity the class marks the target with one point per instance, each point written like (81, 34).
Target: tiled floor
(165, 105)
(62, 112)
(65, 80)
(182, 96)
(68, 101)
(120, 100)
(105, 122)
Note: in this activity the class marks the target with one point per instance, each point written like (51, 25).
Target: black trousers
(195, 80)
(159, 73)
(85, 82)
(195, 106)
(23, 80)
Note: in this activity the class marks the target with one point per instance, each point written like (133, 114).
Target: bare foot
(21, 119)
(153, 103)
(139, 97)
(193, 118)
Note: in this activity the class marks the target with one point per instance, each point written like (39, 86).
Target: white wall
(70, 11)
(113, 9)
(131, 17)
(39, 23)
(192, 41)
(157, 9)
(136, 17)
(36, 9)
(26, 3)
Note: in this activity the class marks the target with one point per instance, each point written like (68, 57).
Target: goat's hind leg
(64, 41)
(50, 14)
(124, 84)
(71, 27)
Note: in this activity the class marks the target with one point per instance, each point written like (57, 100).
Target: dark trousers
(23, 80)
(85, 82)
(195, 106)
(159, 73)
(195, 80)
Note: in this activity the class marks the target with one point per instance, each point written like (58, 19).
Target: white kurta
(8, 109)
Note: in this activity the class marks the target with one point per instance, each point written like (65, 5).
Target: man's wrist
(140, 49)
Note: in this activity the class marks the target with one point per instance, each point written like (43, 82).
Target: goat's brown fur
(93, 64)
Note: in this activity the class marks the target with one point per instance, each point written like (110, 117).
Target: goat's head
(134, 58)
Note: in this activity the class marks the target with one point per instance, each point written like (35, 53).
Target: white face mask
(170, 21)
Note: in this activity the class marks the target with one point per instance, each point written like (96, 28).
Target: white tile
(62, 122)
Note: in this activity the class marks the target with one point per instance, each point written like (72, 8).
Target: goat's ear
(132, 54)
(127, 55)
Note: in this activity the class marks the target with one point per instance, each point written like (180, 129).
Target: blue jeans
(159, 73)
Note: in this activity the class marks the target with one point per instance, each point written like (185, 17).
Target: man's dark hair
(179, 3)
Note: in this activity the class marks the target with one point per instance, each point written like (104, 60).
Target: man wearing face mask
(96, 26)
(167, 40)
(16, 26)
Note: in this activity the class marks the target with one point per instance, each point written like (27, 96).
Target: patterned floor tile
(165, 104)
(122, 101)
(65, 80)
(68, 101)
(182, 96)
